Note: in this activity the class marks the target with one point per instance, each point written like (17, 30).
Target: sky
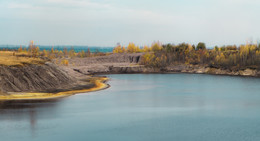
(108, 22)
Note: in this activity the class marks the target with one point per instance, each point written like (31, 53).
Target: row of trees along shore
(34, 51)
(229, 57)
(60, 55)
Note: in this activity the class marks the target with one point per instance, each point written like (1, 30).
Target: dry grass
(9, 58)
(99, 85)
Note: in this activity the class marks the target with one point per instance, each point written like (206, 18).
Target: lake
(61, 48)
(143, 107)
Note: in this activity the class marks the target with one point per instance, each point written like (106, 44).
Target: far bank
(124, 63)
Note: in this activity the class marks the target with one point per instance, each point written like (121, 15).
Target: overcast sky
(107, 22)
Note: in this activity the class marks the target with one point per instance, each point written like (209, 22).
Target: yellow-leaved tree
(156, 46)
(131, 48)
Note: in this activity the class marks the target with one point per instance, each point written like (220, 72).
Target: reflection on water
(26, 110)
(141, 107)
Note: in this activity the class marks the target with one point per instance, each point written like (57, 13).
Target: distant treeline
(63, 55)
(232, 56)
(60, 48)
(35, 51)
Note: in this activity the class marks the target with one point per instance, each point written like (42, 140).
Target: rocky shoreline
(214, 71)
(56, 78)
(129, 63)
(179, 69)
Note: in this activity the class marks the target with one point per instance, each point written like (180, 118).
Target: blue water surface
(61, 48)
(143, 107)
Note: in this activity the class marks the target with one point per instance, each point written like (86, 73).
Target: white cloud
(85, 10)
(173, 21)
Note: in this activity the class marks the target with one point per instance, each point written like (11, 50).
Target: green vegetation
(157, 55)
(229, 57)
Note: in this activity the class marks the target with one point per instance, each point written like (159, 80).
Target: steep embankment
(129, 63)
(102, 64)
(46, 77)
(43, 81)
(97, 83)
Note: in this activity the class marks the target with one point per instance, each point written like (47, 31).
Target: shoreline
(179, 69)
(249, 76)
(100, 84)
(182, 73)
(53, 80)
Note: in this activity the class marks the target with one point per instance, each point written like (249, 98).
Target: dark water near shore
(140, 107)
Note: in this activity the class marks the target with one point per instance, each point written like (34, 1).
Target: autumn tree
(72, 52)
(156, 46)
(65, 51)
(20, 49)
(216, 48)
(131, 48)
(82, 54)
(52, 50)
(44, 53)
(118, 49)
(88, 53)
(146, 49)
(201, 46)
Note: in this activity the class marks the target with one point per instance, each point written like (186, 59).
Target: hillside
(26, 77)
